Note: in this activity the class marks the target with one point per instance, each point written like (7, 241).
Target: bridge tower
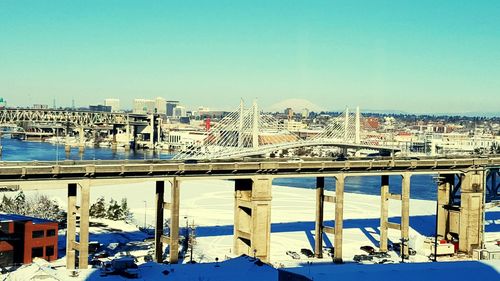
(358, 126)
(255, 125)
(240, 124)
(346, 125)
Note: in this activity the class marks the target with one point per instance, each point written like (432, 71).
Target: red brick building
(24, 238)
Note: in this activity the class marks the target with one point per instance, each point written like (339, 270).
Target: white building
(161, 105)
(114, 103)
(144, 106)
(180, 111)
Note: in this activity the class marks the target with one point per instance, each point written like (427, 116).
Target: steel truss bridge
(75, 118)
(247, 132)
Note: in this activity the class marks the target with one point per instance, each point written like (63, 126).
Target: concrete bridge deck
(253, 196)
(107, 169)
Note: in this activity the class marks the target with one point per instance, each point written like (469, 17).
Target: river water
(422, 186)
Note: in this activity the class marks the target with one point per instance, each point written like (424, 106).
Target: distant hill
(298, 105)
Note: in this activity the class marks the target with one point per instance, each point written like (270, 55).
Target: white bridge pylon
(250, 132)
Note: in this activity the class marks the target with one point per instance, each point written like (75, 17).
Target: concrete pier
(471, 211)
(384, 212)
(405, 212)
(339, 217)
(173, 239)
(160, 191)
(82, 246)
(71, 227)
(446, 184)
(252, 217)
(318, 230)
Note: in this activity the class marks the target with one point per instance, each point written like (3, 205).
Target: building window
(49, 251)
(37, 234)
(51, 232)
(37, 252)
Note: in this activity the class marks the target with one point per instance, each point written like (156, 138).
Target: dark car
(368, 249)
(102, 254)
(306, 252)
(360, 258)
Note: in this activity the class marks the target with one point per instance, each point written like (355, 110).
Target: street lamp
(145, 206)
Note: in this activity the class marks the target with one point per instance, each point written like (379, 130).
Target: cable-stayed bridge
(248, 132)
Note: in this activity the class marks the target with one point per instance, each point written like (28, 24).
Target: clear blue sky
(417, 56)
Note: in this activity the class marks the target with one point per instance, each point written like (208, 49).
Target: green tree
(7, 204)
(114, 211)
(126, 215)
(98, 209)
(20, 207)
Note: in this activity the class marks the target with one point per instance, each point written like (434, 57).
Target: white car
(295, 160)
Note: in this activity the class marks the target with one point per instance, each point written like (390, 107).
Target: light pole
(145, 206)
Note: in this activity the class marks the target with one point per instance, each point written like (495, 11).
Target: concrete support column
(384, 212)
(160, 192)
(445, 186)
(174, 220)
(114, 143)
(71, 227)
(339, 217)
(471, 211)
(405, 211)
(242, 216)
(83, 247)
(252, 217)
(81, 136)
(318, 230)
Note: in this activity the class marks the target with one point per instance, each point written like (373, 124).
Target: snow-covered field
(209, 204)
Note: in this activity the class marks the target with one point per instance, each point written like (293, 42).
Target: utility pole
(145, 205)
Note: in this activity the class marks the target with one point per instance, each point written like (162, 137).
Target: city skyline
(423, 57)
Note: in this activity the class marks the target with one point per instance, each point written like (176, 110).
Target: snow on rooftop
(464, 270)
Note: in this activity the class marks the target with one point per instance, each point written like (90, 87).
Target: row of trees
(39, 205)
(112, 210)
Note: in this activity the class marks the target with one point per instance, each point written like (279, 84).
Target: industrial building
(23, 238)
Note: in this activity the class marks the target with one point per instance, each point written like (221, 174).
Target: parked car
(94, 246)
(368, 249)
(361, 258)
(329, 250)
(381, 255)
(102, 254)
(132, 271)
(306, 252)
(293, 254)
(295, 160)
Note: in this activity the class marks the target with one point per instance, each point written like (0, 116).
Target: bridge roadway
(236, 152)
(113, 169)
(80, 118)
(253, 196)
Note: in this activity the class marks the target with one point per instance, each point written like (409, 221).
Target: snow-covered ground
(209, 204)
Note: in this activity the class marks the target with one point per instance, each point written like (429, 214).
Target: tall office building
(170, 107)
(114, 103)
(144, 106)
(161, 105)
(179, 111)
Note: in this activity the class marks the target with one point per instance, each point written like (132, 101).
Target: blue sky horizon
(412, 56)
